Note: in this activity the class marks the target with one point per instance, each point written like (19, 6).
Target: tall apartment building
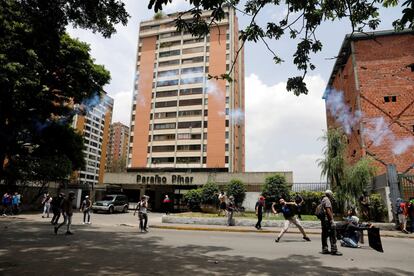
(117, 147)
(94, 126)
(180, 119)
(375, 72)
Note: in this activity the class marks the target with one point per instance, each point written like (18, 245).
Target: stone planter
(208, 208)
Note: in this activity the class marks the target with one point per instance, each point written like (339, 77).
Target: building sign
(170, 179)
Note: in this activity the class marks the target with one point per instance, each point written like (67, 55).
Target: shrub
(193, 199)
(275, 187)
(310, 198)
(377, 210)
(209, 193)
(237, 189)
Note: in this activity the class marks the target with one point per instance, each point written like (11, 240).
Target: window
(188, 147)
(192, 70)
(227, 147)
(167, 83)
(170, 43)
(227, 100)
(227, 123)
(196, 124)
(168, 73)
(227, 111)
(227, 135)
(161, 160)
(226, 159)
(204, 160)
(189, 113)
(388, 99)
(186, 160)
(169, 34)
(166, 104)
(169, 93)
(191, 91)
(193, 50)
(192, 80)
(163, 148)
(161, 115)
(190, 102)
(164, 126)
(192, 60)
(163, 137)
(188, 136)
(168, 63)
(195, 40)
(169, 53)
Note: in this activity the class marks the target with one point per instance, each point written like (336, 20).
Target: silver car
(111, 204)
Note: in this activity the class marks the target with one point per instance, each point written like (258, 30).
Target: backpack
(400, 208)
(320, 212)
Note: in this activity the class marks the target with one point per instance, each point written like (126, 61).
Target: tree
(237, 189)
(275, 187)
(209, 193)
(44, 73)
(193, 199)
(333, 163)
(301, 22)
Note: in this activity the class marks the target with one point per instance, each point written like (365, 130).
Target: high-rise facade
(94, 127)
(180, 118)
(117, 147)
(375, 73)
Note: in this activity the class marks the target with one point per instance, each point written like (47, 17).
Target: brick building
(375, 72)
(117, 147)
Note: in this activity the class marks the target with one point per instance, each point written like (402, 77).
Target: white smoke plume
(340, 110)
(237, 116)
(214, 91)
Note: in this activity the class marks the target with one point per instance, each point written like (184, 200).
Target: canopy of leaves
(237, 189)
(301, 21)
(43, 73)
(209, 193)
(275, 187)
(193, 199)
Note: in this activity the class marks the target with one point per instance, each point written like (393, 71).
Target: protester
(47, 199)
(299, 202)
(57, 208)
(402, 213)
(222, 203)
(86, 209)
(231, 206)
(411, 213)
(7, 204)
(166, 204)
(350, 230)
(290, 217)
(67, 212)
(142, 208)
(364, 204)
(16, 203)
(328, 225)
(259, 212)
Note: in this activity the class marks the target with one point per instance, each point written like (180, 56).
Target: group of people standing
(11, 203)
(405, 211)
(227, 207)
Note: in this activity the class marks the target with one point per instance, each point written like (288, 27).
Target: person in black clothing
(57, 208)
(259, 212)
(299, 202)
(328, 226)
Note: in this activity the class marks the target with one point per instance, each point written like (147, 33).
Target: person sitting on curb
(290, 217)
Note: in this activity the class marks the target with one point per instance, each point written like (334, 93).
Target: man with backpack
(86, 209)
(290, 217)
(328, 224)
(402, 213)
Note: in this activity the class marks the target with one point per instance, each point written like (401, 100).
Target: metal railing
(310, 186)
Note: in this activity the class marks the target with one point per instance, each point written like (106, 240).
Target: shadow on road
(31, 247)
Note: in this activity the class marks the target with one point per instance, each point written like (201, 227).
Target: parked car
(111, 204)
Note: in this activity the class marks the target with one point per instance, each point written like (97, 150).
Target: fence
(406, 183)
(312, 186)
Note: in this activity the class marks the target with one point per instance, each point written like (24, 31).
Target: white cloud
(283, 130)
(122, 107)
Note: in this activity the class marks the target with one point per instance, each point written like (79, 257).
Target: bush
(377, 210)
(209, 193)
(193, 199)
(275, 187)
(311, 200)
(237, 189)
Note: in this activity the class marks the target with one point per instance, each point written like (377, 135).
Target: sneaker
(68, 233)
(325, 252)
(306, 238)
(277, 240)
(405, 231)
(336, 253)
(56, 229)
(83, 222)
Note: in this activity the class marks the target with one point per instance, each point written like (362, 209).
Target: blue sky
(282, 130)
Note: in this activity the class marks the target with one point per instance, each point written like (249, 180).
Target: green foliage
(193, 199)
(275, 187)
(311, 200)
(301, 22)
(333, 163)
(209, 193)
(43, 72)
(377, 209)
(357, 178)
(237, 189)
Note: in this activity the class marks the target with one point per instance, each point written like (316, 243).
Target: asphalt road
(30, 247)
